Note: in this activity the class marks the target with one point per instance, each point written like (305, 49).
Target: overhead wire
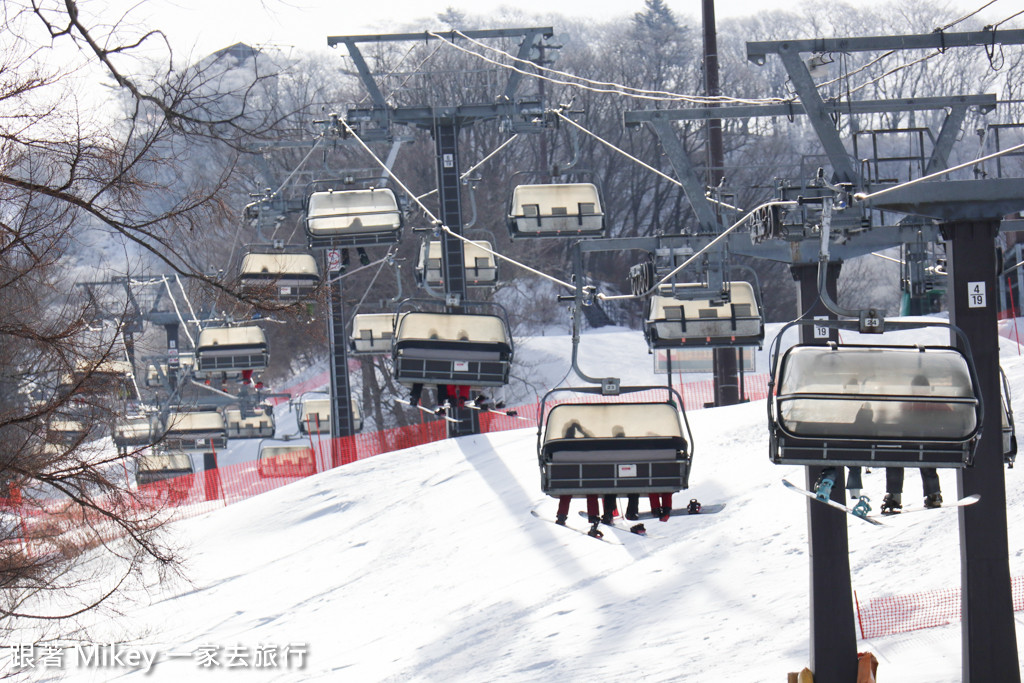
(177, 311)
(477, 165)
(440, 224)
(606, 87)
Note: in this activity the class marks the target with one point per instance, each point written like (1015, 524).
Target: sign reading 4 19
(976, 295)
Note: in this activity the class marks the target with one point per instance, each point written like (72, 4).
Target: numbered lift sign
(976, 295)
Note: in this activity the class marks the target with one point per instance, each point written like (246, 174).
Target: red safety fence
(194, 494)
(892, 614)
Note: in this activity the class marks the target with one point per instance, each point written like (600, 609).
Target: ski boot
(364, 259)
(638, 529)
(694, 507)
(933, 500)
(595, 532)
(891, 504)
(823, 487)
(560, 520)
(863, 507)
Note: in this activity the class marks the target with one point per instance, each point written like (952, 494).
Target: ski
(472, 405)
(428, 411)
(833, 504)
(604, 539)
(629, 528)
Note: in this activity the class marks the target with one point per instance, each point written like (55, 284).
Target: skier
(892, 503)
(575, 430)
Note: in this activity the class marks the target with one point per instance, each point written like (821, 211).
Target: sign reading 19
(976, 295)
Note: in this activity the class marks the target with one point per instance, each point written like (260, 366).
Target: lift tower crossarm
(757, 51)
(985, 102)
(351, 42)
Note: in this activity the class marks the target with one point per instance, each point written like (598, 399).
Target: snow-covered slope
(426, 565)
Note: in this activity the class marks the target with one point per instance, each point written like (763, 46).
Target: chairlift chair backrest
(556, 210)
(279, 461)
(613, 446)
(372, 333)
(354, 218)
(155, 378)
(452, 348)
(133, 431)
(259, 425)
(290, 275)
(231, 350)
(470, 349)
(162, 465)
(875, 405)
(315, 415)
(680, 322)
(195, 431)
(479, 264)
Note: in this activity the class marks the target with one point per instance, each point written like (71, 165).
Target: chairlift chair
(285, 461)
(353, 218)
(556, 210)
(195, 431)
(479, 265)
(1009, 431)
(134, 431)
(469, 349)
(289, 275)
(676, 321)
(104, 377)
(156, 373)
(613, 446)
(372, 334)
(873, 405)
(314, 415)
(258, 425)
(67, 431)
(163, 465)
(230, 350)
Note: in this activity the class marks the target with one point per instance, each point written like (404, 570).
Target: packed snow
(426, 565)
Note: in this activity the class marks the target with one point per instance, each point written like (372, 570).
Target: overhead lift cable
(441, 226)
(603, 86)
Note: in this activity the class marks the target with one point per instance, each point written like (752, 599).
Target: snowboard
(626, 528)
(877, 519)
(709, 509)
(605, 538)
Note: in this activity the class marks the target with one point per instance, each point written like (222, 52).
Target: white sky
(208, 25)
